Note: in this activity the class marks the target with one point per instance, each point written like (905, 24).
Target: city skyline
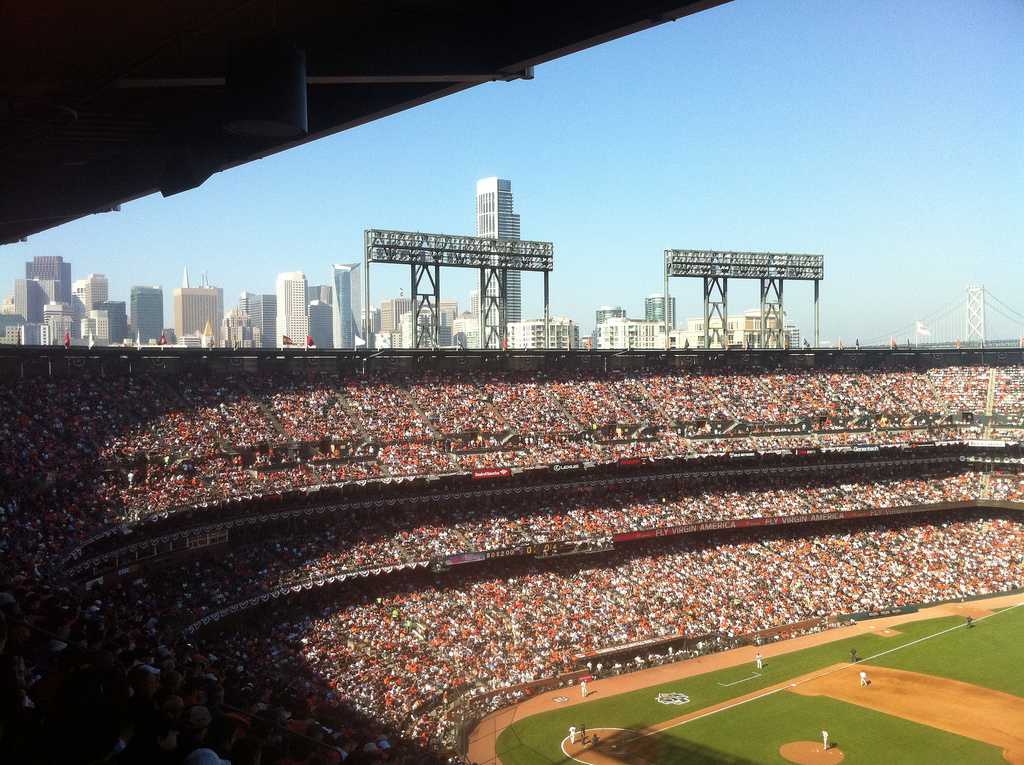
(799, 144)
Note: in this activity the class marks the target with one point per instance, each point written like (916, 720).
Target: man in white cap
(824, 739)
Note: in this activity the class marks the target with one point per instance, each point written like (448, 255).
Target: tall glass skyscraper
(347, 298)
(147, 313)
(495, 219)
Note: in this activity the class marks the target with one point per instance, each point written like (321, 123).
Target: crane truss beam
(744, 265)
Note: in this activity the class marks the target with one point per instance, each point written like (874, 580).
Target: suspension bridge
(976, 319)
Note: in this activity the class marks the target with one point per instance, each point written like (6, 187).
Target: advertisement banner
(485, 473)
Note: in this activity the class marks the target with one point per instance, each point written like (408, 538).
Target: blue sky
(888, 136)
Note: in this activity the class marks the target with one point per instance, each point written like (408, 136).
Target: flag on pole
(67, 340)
(92, 342)
(892, 343)
(309, 342)
(163, 339)
(922, 330)
(359, 341)
(138, 339)
(285, 340)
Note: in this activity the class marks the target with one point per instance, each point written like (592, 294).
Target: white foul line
(737, 682)
(795, 684)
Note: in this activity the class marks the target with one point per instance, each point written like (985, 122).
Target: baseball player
(759, 660)
(864, 682)
(572, 734)
(824, 739)
(583, 688)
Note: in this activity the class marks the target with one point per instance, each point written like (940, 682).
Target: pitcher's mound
(810, 753)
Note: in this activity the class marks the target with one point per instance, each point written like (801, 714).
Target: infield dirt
(968, 710)
(811, 753)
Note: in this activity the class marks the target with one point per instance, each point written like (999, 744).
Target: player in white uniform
(824, 739)
(759, 660)
(572, 734)
(583, 688)
(864, 682)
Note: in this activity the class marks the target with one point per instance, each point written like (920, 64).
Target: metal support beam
(492, 307)
(716, 305)
(772, 334)
(817, 315)
(367, 326)
(425, 302)
(547, 314)
(502, 305)
(665, 306)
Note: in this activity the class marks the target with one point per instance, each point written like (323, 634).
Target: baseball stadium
(724, 553)
(471, 538)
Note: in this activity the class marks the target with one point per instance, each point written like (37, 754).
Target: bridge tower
(975, 315)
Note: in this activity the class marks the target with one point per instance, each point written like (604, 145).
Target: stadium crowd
(151, 446)
(109, 676)
(366, 539)
(403, 648)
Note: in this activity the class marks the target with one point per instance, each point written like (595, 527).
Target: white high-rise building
(495, 219)
(87, 293)
(466, 331)
(347, 296)
(564, 333)
(634, 334)
(292, 313)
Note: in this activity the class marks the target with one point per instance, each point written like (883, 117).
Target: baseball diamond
(939, 692)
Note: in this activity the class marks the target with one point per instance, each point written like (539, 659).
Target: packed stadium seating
(368, 669)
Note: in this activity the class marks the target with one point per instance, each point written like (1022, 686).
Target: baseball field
(939, 692)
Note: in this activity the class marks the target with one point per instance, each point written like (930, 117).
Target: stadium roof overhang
(102, 104)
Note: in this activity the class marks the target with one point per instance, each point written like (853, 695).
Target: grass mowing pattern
(535, 740)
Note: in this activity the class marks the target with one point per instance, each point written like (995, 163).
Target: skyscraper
(195, 307)
(322, 292)
(52, 268)
(292, 314)
(605, 312)
(147, 313)
(495, 219)
(654, 309)
(29, 299)
(113, 316)
(348, 301)
(262, 313)
(321, 324)
(59, 318)
(391, 313)
(87, 292)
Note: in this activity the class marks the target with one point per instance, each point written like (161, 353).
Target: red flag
(309, 341)
(67, 340)
(504, 343)
(163, 339)
(285, 340)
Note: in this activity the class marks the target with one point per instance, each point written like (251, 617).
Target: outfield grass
(752, 733)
